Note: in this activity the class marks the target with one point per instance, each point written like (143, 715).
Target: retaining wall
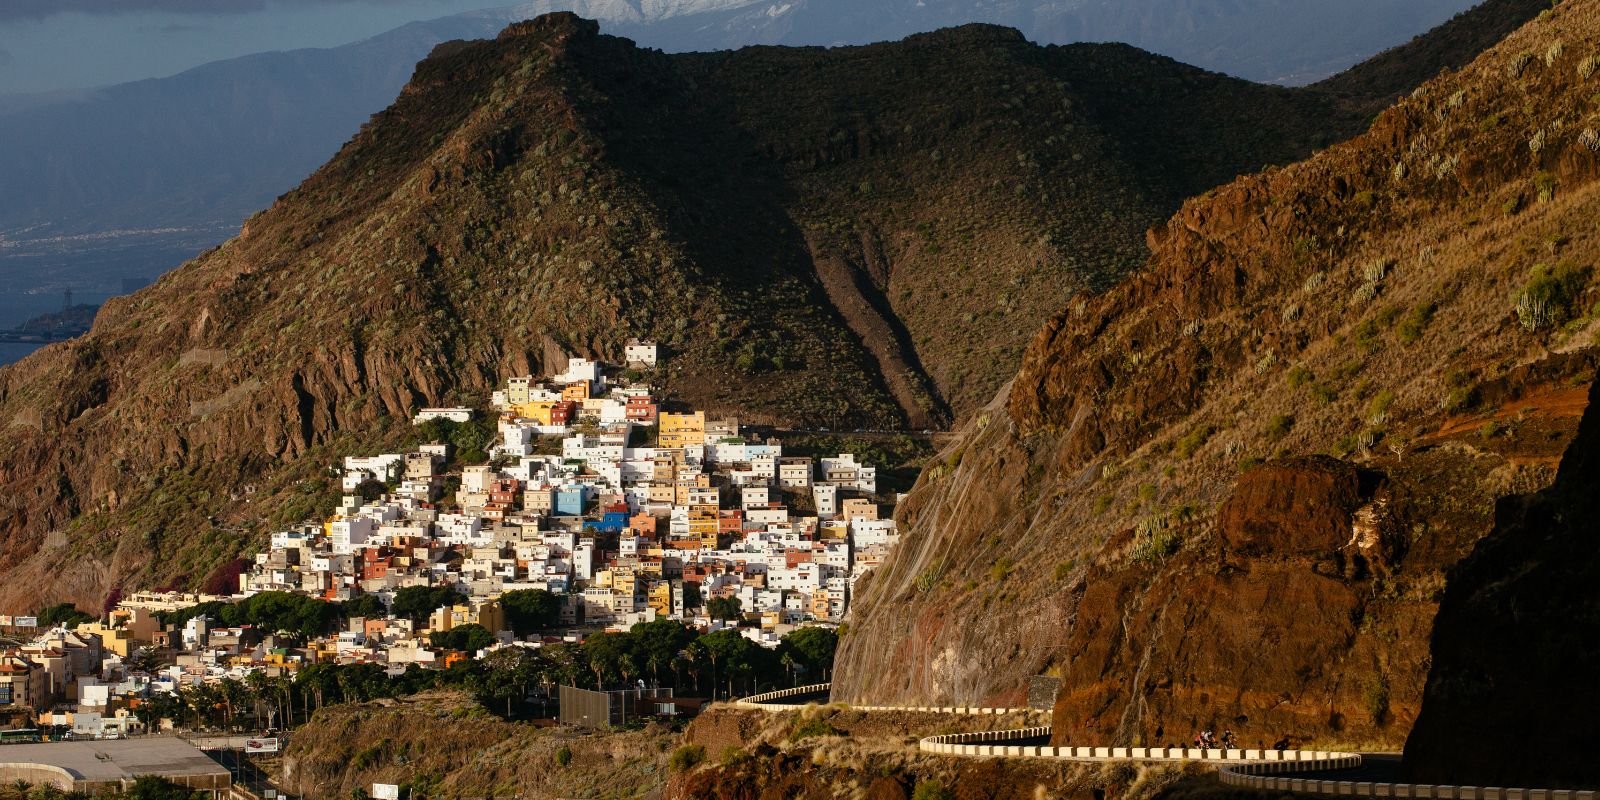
(1260, 776)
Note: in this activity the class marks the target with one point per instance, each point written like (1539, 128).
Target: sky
(49, 45)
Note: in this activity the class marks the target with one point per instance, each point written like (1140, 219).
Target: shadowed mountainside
(1513, 646)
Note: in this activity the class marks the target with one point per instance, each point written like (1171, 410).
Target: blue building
(570, 501)
(610, 522)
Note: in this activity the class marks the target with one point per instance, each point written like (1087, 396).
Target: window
(5, 694)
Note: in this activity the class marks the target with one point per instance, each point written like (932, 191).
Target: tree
(152, 787)
(530, 610)
(417, 602)
(564, 664)
(367, 606)
(469, 440)
(811, 649)
(738, 657)
(660, 643)
(725, 608)
(468, 638)
(611, 655)
(508, 673)
(65, 615)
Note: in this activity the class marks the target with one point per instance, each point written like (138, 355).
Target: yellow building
(487, 613)
(536, 410)
(819, 604)
(859, 508)
(681, 430)
(661, 598)
(577, 392)
(127, 630)
(685, 482)
(517, 390)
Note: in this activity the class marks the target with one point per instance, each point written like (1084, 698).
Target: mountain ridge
(212, 128)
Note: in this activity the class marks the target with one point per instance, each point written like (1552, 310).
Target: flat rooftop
(97, 761)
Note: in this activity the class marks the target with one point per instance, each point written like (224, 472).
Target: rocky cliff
(857, 237)
(1512, 680)
(1227, 493)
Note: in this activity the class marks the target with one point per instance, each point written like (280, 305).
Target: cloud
(40, 9)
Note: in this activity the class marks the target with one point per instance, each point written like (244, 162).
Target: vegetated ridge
(858, 237)
(1227, 493)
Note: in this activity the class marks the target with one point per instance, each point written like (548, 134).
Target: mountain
(1234, 490)
(1279, 41)
(201, 150)
(856, 237)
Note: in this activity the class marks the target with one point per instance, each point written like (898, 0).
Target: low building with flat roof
(101, 765)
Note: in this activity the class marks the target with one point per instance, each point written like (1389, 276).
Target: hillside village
(577, 489)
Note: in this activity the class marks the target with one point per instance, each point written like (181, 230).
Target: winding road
(1307, 771)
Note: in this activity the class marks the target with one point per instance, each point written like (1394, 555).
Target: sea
(16, 309)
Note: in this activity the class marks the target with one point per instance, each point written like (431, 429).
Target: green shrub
(1378, 409)
(1324, 393)
(1000, 570)
(1195, 439)
(1064, 569)
(1367, 336)
(1279, 426)
(686, 758)
(932, 790)
(1345, 446)
(1415, 322)
(1102, 503)
(564, 755)
(814, 726)
(1300, 376)
(1544, 184)
(1376, 697)
(1456, 399)
(1548, 296)
(733, 755)
(1157, 545)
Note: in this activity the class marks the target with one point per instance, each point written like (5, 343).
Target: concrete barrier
(1270, 770)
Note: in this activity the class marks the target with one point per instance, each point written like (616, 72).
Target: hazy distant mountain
(207, 147)
(1288, 41)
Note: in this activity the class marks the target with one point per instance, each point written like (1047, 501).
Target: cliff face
(858, 237)
(1109, 518)
(1514, 661)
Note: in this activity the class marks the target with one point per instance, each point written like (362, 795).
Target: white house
(452, 414)
(641, 353)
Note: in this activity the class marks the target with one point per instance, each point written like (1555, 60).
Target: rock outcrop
(1512, 688)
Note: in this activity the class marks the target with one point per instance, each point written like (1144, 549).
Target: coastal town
(576, 504)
